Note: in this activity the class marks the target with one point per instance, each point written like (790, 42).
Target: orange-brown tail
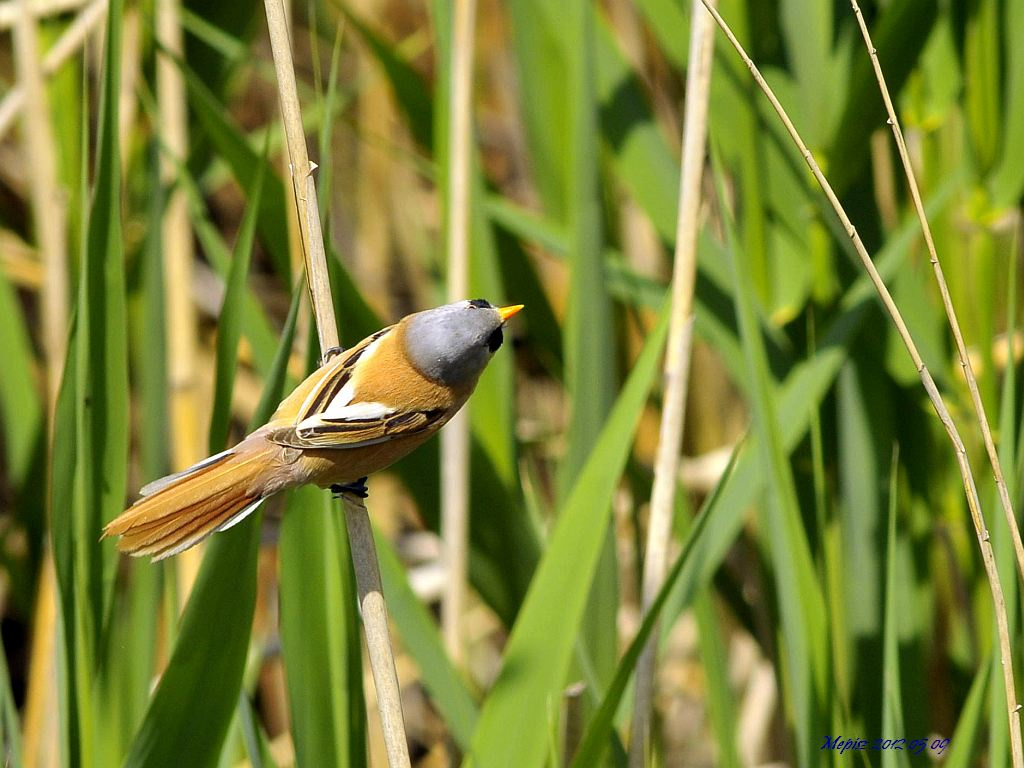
(179, 511)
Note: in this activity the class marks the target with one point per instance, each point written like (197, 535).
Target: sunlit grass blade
(516, 716)
(91, 437)
(320, 632)
(101, 350)
(130, 652)
(595, 739)
(190, 712)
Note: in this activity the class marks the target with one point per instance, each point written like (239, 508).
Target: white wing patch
(350, 413)
(344, 397)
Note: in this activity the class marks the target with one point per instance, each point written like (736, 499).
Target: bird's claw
(329, 354)
(357, 488)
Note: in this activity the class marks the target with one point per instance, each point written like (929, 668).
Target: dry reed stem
(68, 44)
(455, 438)
(378, 643)
(41, 736)
(677, 363)
(360, 532)
(37, 9)
(49, 204)
(947, 303)
(967, 478)
(181, 321)
(314, 256)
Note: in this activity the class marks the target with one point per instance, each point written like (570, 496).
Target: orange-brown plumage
(360, 412)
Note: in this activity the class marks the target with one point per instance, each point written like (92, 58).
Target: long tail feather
(181, 510)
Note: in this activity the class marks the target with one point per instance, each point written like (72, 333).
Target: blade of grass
(595, 739)
(21, 410)
(181, 728)
(320, 633)
(91, 435)
(229, 321)
(965, 742)
(515, 719)
(929, 385)
(714, 658)
(1006, 183)
(803, 648)
(892, 701)
(244, 162)
(901, 32)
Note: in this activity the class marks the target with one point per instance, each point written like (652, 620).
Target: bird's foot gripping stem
(357, 488)
(329, 354)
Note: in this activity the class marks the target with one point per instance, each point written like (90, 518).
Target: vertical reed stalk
(50, 221)
(182, 369)
(966, 476)
(364, 556)
(677, 363)
(455, 438)
(947, 302)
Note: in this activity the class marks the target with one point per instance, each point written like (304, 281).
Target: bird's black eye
(495, 339)
(479, 304)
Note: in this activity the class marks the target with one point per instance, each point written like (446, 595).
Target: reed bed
(817, 577)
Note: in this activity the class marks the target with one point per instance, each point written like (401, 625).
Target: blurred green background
(832, 587)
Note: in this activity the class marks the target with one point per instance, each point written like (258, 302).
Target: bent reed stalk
(967, 477)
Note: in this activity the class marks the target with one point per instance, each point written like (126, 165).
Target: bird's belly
(346, 465)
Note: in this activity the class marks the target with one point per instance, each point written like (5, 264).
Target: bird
(362, 410)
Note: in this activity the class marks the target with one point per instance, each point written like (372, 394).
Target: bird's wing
(334, 377)
(331, 414)
(363, 424)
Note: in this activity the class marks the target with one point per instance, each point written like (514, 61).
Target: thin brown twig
(455, 438)
(677, 363)
(947, 302)
(364, 556)
(966, 476)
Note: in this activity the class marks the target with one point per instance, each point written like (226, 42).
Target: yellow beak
(507, 312)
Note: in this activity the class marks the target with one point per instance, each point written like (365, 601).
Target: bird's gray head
(453, 344)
